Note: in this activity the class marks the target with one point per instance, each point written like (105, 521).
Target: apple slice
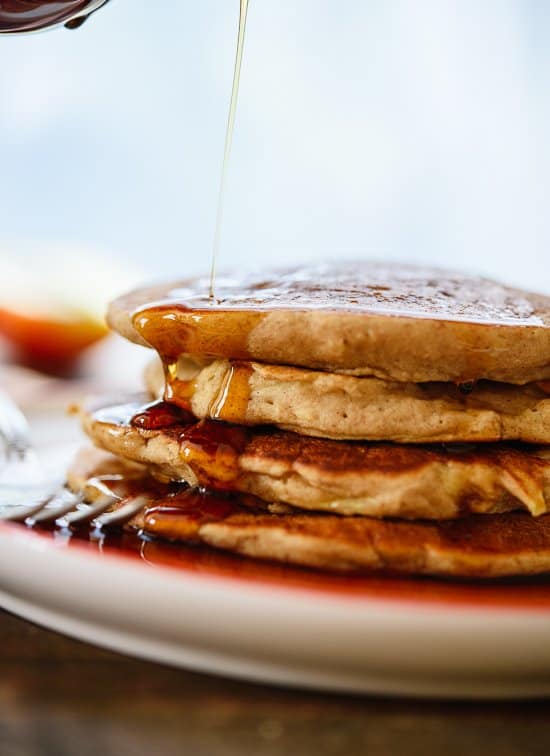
(47, 341)
(52, 303)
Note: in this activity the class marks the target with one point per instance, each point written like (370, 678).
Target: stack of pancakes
(348, 416)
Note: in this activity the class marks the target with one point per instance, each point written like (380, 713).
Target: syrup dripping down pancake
(330, 405)
(346, 478)
(395, 322)
(476, 546)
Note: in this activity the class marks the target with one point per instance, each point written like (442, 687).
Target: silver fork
(26, 495)
(22, 482)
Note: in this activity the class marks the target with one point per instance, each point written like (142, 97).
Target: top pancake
(396, 322)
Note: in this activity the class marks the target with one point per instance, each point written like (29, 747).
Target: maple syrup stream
(228, 140)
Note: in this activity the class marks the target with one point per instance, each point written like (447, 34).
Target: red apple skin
(40, 342)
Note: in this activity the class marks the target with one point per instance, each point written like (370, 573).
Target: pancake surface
(400, 322)
(347, 478)
(331, 405)
(476, 546)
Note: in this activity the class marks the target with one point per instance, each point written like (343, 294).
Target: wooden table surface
(59, 697)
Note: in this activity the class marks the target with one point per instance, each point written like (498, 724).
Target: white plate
(286, 626)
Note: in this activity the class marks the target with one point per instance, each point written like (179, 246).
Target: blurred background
(412, 130)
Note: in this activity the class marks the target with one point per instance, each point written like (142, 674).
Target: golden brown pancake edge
(396, 322)
(347, 478)
(509, 544)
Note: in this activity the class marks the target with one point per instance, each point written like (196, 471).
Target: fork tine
(64, 501)
(129, 509)
(14, 428)
(82, 516)
(23, 513)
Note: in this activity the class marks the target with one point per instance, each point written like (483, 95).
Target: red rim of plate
(532, 595)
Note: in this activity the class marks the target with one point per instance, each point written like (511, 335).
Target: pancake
(347, 478)
(476, 546)
(337, 406)
(398, 322)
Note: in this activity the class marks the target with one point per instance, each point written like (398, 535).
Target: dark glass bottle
(24, 16)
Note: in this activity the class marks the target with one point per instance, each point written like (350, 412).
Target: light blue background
(414, 129)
